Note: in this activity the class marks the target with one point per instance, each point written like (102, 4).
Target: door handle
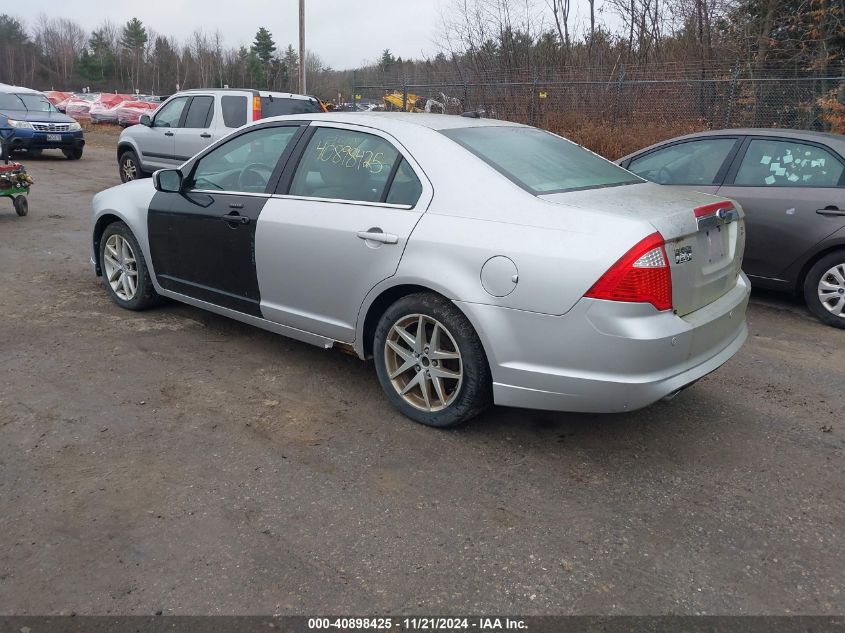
(235, 218)
(831, 210)
(236, 205)
(377, 235)
(168, 133)
(205, 135)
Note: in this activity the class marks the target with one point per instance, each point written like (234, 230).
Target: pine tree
(290, 61)
(133, 38)
(264, 46)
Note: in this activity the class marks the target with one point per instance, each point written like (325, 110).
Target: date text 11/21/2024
(420, 623)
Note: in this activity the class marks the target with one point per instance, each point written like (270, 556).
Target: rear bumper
(605, 356)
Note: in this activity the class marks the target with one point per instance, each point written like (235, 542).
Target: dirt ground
(177, 461)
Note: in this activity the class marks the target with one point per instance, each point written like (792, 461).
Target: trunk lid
(705, 253)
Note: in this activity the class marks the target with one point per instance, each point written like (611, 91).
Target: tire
(21, 205)
(116, 267)
(73, 154)
(34, 153)
(458, 399)
(129, 166)
(827, 277)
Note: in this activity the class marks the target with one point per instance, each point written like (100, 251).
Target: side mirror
(168, 180)
(146, 120)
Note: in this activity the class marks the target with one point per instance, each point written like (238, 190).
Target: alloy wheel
(423, 362)
(832, 290)
(130, 170)
(121, 267)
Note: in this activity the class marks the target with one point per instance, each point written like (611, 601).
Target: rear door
(337, 227)
(793, 197)
(202, 240)
(194, 133)
(157, 142)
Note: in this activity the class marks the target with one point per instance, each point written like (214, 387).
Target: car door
(337, 227)
(194, 133)
(202, 239)
(157, 142)
(792, 193)
(698, 163)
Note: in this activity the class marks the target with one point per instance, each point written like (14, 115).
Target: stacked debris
(14, 176)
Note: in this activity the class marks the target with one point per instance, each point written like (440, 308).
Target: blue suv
(36, 125)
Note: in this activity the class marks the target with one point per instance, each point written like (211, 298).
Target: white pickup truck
(190, 121)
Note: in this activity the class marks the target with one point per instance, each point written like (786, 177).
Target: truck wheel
(824, 289)
(73, 154)
(130, 166)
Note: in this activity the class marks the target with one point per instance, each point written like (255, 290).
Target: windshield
(31, 102)
(538, 161)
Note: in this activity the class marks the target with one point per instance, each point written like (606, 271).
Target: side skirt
(264, 324)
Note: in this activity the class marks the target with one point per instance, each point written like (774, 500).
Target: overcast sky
(344, 33)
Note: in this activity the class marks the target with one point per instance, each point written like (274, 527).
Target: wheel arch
(382, 298)
(99, 228)
(123, 146)
(811, 261)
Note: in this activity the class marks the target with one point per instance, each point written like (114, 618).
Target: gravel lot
(177, 461)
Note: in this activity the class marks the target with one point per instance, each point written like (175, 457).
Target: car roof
(9, 89)
(261, 93)
(399, 120)
(836, 141)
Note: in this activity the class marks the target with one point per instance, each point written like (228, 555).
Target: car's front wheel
(824, 289)
(73, 154)
(430, 362)
(130, 167)
(124, 269)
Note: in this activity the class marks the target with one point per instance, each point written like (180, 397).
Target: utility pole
(302, 88)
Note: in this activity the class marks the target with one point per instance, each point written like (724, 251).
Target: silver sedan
(475, 261)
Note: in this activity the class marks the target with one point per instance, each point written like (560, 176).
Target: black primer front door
(202, 240)
(203, 246)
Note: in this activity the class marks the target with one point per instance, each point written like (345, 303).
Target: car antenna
(473, 114)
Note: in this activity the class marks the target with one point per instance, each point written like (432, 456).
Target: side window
(245, 163)
(344, 165)
(234, 110)
(406, 187)
(170, 113)
(199, 112)
(785, 163)
(688, 163)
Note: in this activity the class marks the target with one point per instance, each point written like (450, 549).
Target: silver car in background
(474, 261)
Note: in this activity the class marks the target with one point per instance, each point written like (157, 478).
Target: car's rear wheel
(824, 289)
(125, 272)
(430, 361)
(130, 167)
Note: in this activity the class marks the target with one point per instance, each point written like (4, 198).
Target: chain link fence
(615, 115)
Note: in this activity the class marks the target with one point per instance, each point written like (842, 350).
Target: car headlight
(21, 125)
(74, 127)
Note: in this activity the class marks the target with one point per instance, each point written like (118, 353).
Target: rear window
(276, 106)
(540, 162)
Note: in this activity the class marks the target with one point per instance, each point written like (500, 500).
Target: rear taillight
(256, 108)
(641, 275)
